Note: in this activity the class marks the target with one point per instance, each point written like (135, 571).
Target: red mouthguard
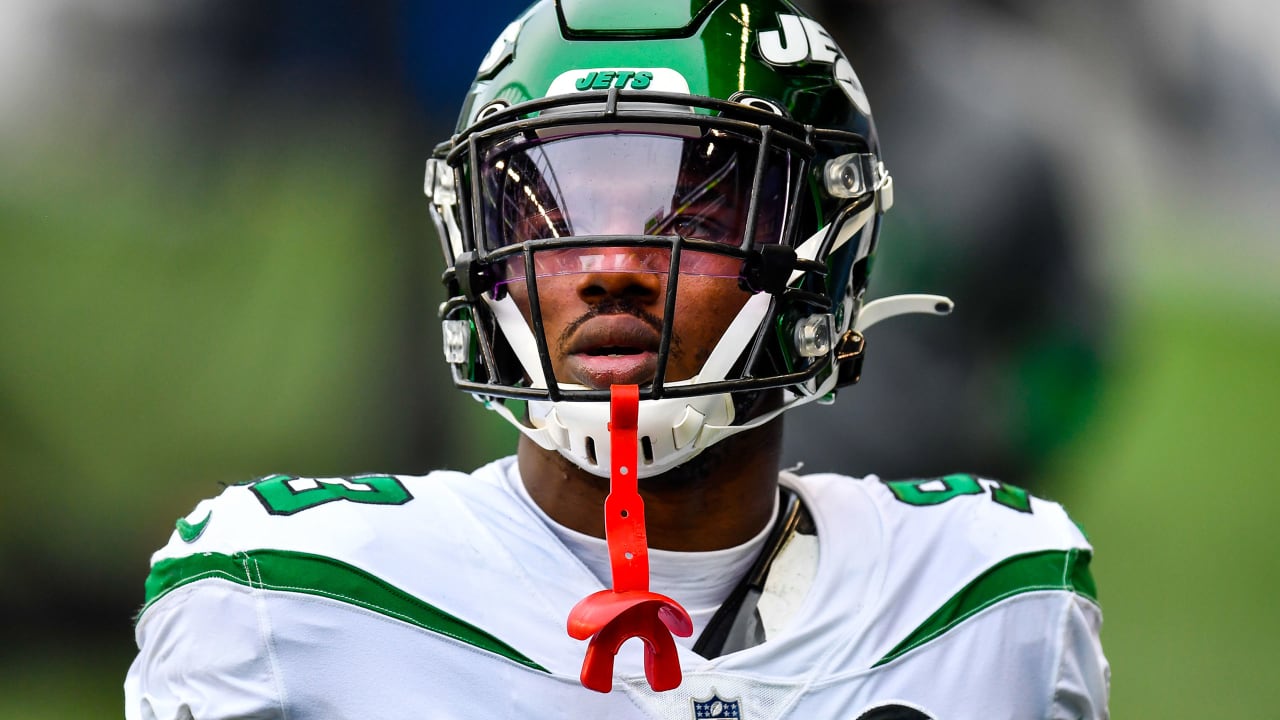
(610, 617)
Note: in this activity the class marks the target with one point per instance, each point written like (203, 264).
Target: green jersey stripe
(1049, 570)
(325, 577)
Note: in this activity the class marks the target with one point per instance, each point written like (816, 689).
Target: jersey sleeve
(203, 652)
(204, 647)
(207, 645)
(1083, 684)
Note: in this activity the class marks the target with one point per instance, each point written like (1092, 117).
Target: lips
(612, 350)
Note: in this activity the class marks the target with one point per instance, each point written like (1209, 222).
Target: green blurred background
(215, 263)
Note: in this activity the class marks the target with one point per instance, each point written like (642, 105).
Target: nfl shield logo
(715, 707)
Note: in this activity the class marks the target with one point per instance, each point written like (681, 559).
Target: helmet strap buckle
(849, 356)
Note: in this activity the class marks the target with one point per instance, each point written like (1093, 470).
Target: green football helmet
(665, 144)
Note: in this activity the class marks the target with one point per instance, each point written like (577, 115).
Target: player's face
(603, 306)
(603, 326)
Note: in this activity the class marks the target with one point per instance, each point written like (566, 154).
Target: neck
(719, 499)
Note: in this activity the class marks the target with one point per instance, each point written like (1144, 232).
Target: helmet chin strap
(672, 426)
(872, 313)
(698, 423)
(611, 617)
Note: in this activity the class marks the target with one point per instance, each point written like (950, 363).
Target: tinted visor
(626, 183)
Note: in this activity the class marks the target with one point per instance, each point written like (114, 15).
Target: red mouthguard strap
(610, 617)
(623, 509)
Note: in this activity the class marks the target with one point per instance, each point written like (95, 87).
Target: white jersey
(446, 596)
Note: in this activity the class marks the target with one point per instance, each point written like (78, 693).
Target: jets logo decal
(649, 79)
(803, 40)
(605, 79)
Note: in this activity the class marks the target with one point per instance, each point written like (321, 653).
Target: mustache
(614, 306)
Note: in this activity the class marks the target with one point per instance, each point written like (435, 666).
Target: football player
(658, 222)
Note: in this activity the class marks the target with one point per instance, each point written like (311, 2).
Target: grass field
(1175, 485)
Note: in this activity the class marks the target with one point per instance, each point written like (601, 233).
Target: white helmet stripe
(808, 250)
(520, 337)
(735, 339)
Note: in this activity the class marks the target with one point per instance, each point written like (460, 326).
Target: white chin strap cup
(914, 304)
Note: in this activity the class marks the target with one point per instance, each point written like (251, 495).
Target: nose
(632, 273)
